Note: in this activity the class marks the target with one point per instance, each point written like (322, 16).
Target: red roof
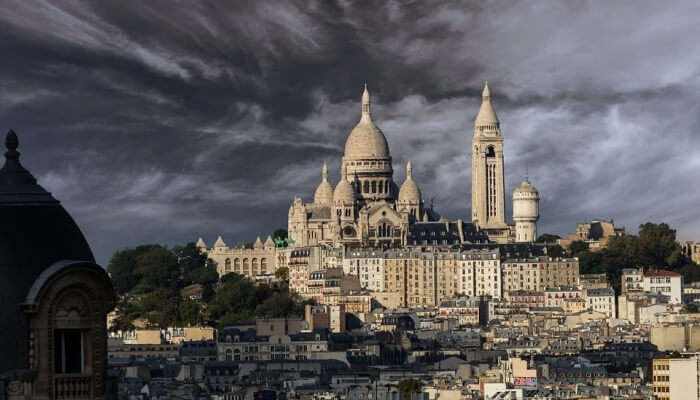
(661, 272)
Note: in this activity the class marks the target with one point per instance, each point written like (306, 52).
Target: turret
(410, 195)
(526, 212)
(324, 192)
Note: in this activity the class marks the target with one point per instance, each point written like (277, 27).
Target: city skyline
(162, 126)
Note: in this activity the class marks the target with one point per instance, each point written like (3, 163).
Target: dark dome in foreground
(35, 232)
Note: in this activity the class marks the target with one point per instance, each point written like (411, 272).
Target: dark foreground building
(53, 297)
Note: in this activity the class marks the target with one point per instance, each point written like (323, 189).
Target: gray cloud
(158, 123)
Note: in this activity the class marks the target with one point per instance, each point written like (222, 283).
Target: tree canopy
(547, 238)
(654, 247)
(150, 281)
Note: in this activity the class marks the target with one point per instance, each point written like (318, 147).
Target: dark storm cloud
(162, 121)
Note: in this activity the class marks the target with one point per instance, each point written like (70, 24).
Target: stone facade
(250, 261)
(367, 209)
(595, 233)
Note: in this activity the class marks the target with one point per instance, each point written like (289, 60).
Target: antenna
(527, 171)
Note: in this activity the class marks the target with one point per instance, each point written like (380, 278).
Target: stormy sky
(162, 121)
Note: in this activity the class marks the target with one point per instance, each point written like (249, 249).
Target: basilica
(367, 208)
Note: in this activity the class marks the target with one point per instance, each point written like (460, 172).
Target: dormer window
(69, 352)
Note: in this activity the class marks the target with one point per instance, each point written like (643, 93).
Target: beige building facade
(368, 209)
(250, 261)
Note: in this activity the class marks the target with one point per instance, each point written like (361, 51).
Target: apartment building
(556, 296)
(480, 273)
(675, 378)
(601, 300)
(540, 273)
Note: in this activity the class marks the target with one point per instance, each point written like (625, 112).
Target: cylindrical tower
(526, 212)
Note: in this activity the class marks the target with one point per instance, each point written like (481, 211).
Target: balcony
(73, 386)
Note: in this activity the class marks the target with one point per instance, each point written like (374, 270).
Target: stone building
(368, 209)
(54, 299)
(692, 251)
(595, 233)
(480, 273)
(248, 260)
(540, 273)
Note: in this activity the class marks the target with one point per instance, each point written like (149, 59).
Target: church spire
(409, 170)
(324, 171)
(365, 102)
(486, 93)
(486, 118)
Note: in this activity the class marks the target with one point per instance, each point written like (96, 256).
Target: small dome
(366, 140)
(344, 191)
(324, 191)
(525, 187)
(409, 189)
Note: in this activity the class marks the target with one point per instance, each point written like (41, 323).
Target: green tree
(121, 270)
(193, 264)
(547, 238)
(158, 268)
(555, 251)
(408, 387)
(280, 305)
(189, 313)
(577, 246)
(658, 246)
(282, 273)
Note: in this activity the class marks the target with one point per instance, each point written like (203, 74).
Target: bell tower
(488, 194)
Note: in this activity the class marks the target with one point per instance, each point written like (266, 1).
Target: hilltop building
(368, 209)
(595, 233)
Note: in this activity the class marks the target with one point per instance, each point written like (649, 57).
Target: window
(69, 354)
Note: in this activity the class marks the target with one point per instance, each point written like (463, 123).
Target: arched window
(255, 266)
(380, 188)
(237, 265)
(229, 355)
(263, 265)
(374, 186)
(490, 152)
(227, 265)
(246, 267)
(236, 355)
(365, 189)
(339, 212)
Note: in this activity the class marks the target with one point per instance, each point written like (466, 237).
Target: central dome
(366, 140)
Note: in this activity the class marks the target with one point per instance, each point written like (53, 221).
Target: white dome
(525, 187)
(366, 140)
(344, 192)
(409, 189)
(324, 191)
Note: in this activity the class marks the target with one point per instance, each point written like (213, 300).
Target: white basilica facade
(366, 208)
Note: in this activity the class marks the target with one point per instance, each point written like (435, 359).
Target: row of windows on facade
(246, 265)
